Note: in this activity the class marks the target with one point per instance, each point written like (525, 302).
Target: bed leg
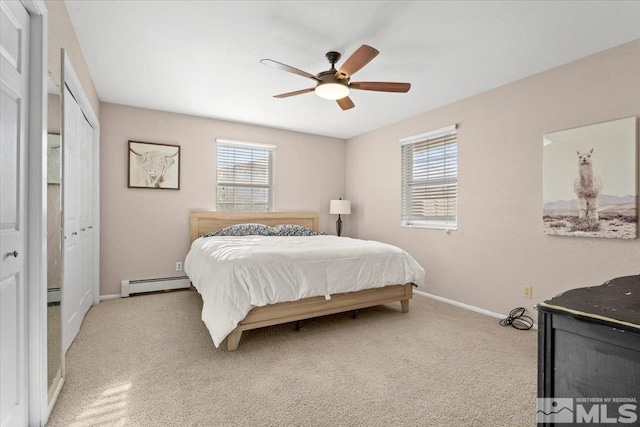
(405, 305)
(233, 340)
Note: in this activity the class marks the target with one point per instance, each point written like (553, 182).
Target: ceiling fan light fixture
(332, 90)
(335, 85)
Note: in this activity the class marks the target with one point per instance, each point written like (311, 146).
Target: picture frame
(590, 176)
(153, 165)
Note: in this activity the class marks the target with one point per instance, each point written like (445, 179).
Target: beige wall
(145, 231)
(499, 246)
(63, 36)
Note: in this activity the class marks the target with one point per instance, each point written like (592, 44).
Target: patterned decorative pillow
(292, 230)
(242, 230)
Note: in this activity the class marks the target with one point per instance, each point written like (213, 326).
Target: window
(244, 176)
(430, 179)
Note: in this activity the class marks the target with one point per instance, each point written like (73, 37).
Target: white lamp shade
(340, 207)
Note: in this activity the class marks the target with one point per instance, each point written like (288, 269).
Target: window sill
(447, 227)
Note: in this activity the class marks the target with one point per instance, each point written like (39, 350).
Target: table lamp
(339, 207)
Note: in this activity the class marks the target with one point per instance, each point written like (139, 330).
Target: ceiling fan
(336, 84)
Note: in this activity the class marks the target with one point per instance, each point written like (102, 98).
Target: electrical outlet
(179, 267)
(527, 291)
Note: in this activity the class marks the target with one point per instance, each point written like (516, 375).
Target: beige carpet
(149, 361)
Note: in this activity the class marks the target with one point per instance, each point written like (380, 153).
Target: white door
(77, 183)
(14, 56)
(86, 227)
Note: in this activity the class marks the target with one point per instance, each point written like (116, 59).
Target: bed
(245, 283)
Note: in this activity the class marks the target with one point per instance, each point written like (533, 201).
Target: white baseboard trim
(465, 306)
(106, 297)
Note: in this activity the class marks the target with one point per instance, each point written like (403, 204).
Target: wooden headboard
(206, 221)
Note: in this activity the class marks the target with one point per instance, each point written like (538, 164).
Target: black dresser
(589, 353)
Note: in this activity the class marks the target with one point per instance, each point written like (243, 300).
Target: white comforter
(235, 274)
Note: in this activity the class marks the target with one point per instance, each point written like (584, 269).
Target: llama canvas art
(590, 186)
(587, 187)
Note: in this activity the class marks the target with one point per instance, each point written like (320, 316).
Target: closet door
(77, 138)
(86, 229)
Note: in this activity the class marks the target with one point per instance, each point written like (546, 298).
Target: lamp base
(339, 226)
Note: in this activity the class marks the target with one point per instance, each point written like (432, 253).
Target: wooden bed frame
(205, 221)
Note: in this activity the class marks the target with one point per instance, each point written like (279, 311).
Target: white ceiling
(203, 57)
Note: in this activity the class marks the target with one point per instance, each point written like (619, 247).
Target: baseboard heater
(153, 285)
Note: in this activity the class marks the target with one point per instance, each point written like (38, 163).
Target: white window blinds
(430, 179)
(244, 176)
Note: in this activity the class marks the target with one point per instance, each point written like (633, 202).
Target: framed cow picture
(154, 165)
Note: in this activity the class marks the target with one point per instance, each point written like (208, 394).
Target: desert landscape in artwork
(617, 218)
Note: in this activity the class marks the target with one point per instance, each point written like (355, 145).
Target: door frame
(37, 214)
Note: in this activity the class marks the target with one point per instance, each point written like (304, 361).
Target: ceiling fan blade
(381, 86)
(356, 61)
(288, 68)
(345, 103)
(297, 92)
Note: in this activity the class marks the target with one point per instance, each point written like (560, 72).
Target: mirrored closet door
(54, 240)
